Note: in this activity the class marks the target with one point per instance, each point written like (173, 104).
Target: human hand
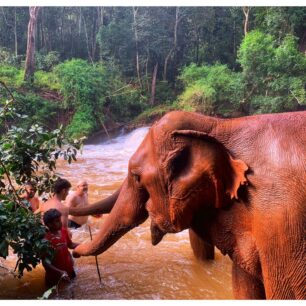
(64, 276)
(75, 254)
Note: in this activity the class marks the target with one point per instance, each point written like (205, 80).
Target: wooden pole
(96, 258)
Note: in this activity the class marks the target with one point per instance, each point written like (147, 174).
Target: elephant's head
(177, 171)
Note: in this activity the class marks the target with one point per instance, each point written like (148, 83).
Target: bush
(81, 82)
(193, 73)
(82, 123)
(26, 155)
(46, 80)
(8, 58)
(37, 109)
(256, 54)
(84, 87)
(273, 73)
(128, 103)
(164, 93)
(47, 61)
(208, 88)
(96, 91)
(198, 97)
(266, 104)
(11, 76)
(154, 113)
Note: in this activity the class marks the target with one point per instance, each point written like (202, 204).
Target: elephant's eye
(136, 177)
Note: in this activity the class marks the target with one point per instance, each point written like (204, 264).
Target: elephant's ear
(239, 168)
(225, 181)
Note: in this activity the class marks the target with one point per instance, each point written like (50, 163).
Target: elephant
(202, 249)
(238, 184)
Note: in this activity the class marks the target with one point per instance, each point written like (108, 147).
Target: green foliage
(47, 61)
(116, 40)
(93, 90)
(192, 73)
(8, 58)
(82, 123)
(83, 87)
(81, 82)
(269, 67)
(272, 73)
(256, 55)
(46, 80)
(21, 230)
(38, 110)
(281, 21)
(32, 153)
(207, 88)
(150, 114)
(198, 97)
(123, 100)
(126, 102)
(26, 154)
(164, 92)
(288, 60)
(11, 75)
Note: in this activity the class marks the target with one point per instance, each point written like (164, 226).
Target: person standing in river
(29, 198)
(61, 265)
(61, 190)
(78, 198)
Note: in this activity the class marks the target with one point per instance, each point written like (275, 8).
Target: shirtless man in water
(78, 198)
(29, 198)
(61, 189)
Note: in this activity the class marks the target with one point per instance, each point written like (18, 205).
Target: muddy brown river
(132, 268)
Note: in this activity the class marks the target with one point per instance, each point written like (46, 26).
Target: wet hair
(31, 184)
(50, 215)
(61, 184)
(81, 182)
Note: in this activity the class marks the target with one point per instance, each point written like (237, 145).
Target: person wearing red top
(61, 266)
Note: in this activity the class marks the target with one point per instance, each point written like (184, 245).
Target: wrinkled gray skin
(238, 184)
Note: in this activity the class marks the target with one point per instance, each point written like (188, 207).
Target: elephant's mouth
(156, 234)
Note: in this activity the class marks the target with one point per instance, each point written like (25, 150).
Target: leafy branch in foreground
(27, 154)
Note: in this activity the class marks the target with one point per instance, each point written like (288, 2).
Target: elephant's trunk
(128, 212)
(101, 207)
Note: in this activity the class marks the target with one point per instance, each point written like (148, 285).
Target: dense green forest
(98, 66)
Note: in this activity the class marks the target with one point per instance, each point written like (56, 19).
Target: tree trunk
(43, 32)
(152, 100)
(246, 12)
(234, 49)
(62, 27)
(197, 47)
(15, 34)
(177, 20)
(135, 10)
(94, 35)
(101, 16)
(30, 56)
(87, 38)
(147, 63)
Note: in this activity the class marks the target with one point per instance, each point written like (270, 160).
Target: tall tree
(246, 12)
(30, 55)
(173, 49)
(135, 10)
(153, 87)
